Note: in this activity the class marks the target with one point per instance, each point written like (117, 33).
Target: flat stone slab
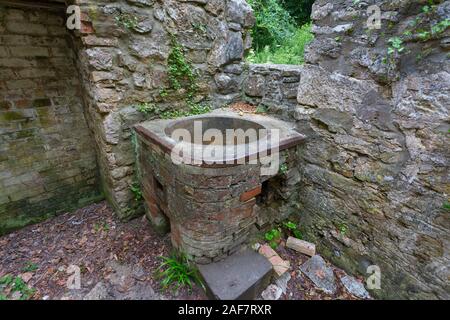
(273, 292)
(355, 287)
(242, 276)
(317, 270)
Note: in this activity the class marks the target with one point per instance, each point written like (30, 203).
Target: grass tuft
(178, 271)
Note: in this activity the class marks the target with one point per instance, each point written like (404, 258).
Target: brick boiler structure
(211, 208)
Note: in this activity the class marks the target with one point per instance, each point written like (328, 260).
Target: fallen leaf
(320, 274)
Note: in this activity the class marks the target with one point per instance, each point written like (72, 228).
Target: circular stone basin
(204, 130)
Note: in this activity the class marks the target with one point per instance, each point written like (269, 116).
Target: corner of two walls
(47, 163)
(123, 49)
(375, 167)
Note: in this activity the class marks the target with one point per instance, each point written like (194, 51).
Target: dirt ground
(90, 238)
(95, 241)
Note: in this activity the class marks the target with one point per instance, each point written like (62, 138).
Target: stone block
(301, 246)
(25, 28)
(279, 265)
(241, 276)
(317, 270)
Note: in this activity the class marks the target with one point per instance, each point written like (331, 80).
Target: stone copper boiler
(209, 208)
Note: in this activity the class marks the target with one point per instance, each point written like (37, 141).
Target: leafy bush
(273, 24)
(277, 37)
(291, 52)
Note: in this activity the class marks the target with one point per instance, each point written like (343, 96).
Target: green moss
(11, 223)
(11, 116)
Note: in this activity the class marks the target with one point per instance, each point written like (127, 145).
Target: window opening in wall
(281, 32)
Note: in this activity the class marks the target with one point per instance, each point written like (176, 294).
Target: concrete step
(242, 276)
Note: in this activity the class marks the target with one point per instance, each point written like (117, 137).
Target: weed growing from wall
(127, 21)
(182, 76)
(425, 27)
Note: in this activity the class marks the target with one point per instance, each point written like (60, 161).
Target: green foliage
(297, 234)
(200, 27)
(163, 93)
(292, 228)
(281, 231)
(136, 190)
(101, 227)
(283, 168)
(261, 109)
(147, 108)
(423, 28)
(290, 52)
(194, 109)
(277, 37)
(6, 280)
(127, 21)
(440, 27)
(300, 10)
(30, 267)
(16, 284)
(181, 74)
(273, 24)
(343, 228)
(395, 45)
(290, 225)
(446, 206)
(178, 271)
(273, 237)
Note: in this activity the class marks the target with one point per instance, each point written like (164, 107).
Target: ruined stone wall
(375, 169)
(47, 159)
(275, 87)
(123, 50)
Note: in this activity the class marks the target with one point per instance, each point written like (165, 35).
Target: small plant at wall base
(136, 190)
(273, 237)
(177, 271)
(292, 229)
